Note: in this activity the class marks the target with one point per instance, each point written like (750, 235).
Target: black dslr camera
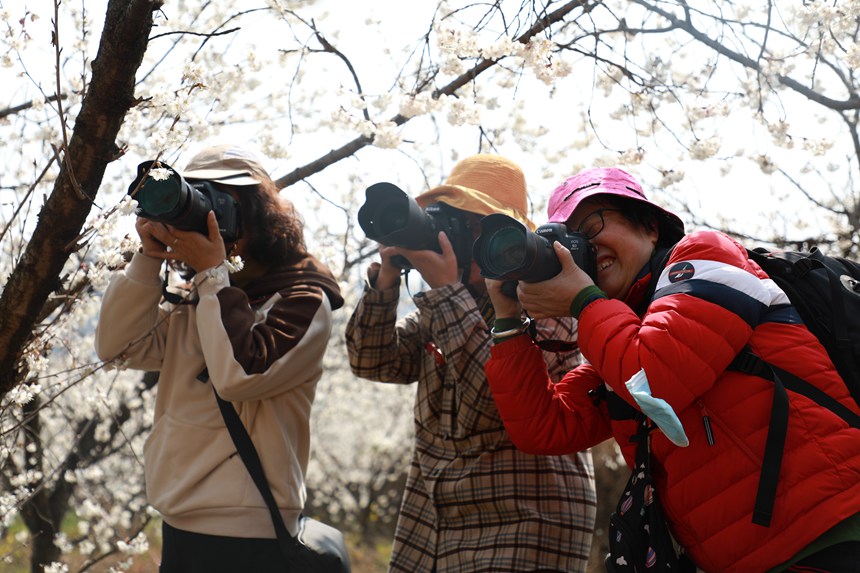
(392, 218)
(184, 204)
(507, 250)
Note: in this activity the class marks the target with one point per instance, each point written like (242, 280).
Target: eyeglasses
(592, 225)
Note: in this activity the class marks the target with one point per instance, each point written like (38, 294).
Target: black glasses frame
(590, 218)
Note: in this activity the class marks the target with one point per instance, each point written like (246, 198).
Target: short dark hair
(640, 214)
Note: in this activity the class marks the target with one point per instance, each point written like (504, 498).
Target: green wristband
(587, 295)
(502, 324)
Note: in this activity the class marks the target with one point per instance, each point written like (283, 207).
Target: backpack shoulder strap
(776, 433)
(748, 362)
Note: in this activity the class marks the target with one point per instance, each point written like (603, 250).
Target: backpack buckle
(850, 283)
(746, 361)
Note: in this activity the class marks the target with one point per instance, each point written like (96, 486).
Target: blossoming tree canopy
(725, 111)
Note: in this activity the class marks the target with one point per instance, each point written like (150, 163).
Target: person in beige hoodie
(256, 336)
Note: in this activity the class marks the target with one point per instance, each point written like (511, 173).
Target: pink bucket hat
(608, 181)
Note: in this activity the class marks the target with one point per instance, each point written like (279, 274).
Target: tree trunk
(92, 146)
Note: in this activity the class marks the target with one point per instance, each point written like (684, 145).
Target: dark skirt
(189, 552)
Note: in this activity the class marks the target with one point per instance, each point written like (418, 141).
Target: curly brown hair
(273, 226)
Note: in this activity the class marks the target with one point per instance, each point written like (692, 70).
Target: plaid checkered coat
(473, 502)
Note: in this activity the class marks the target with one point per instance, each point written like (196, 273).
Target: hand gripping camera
(392, 218)
(507, 250)
(184, 204)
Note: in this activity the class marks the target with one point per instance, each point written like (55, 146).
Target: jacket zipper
(707, 416)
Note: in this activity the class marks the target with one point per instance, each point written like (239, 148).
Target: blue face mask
(657, 409)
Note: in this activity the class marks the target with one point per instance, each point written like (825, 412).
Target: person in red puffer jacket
(669, 313)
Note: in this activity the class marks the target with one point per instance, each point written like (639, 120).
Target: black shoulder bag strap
(287, 543)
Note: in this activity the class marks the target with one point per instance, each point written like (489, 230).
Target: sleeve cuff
(511, 346)
(144, 270)
(212, 279)
(585, 297)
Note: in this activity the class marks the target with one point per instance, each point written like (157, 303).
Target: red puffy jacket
(697, 321)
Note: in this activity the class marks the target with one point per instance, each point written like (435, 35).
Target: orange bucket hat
(483, 184)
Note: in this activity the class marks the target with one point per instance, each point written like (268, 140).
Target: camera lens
(506, 250)
(184, 205)
(391, 219)
(159, 197)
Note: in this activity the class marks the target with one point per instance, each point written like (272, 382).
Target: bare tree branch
(25, 106)
(482, 66)
(852, 102)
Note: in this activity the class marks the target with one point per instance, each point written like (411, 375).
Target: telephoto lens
(507, 250)
(391, 217)
(165, 199)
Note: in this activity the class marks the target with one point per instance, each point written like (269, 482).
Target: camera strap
(551, 344)
(172, 297)
(464, 278)
(554, 345)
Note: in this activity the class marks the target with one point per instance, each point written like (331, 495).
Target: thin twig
(26, 197)
(68, 163)
(25, 106)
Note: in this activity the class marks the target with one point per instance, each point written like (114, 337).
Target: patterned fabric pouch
(639, 539)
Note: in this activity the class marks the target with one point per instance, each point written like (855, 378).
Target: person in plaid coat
(472, 501)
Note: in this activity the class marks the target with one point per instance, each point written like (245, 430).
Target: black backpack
(826, 293)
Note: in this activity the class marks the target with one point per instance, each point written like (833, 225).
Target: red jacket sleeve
(542, 417)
